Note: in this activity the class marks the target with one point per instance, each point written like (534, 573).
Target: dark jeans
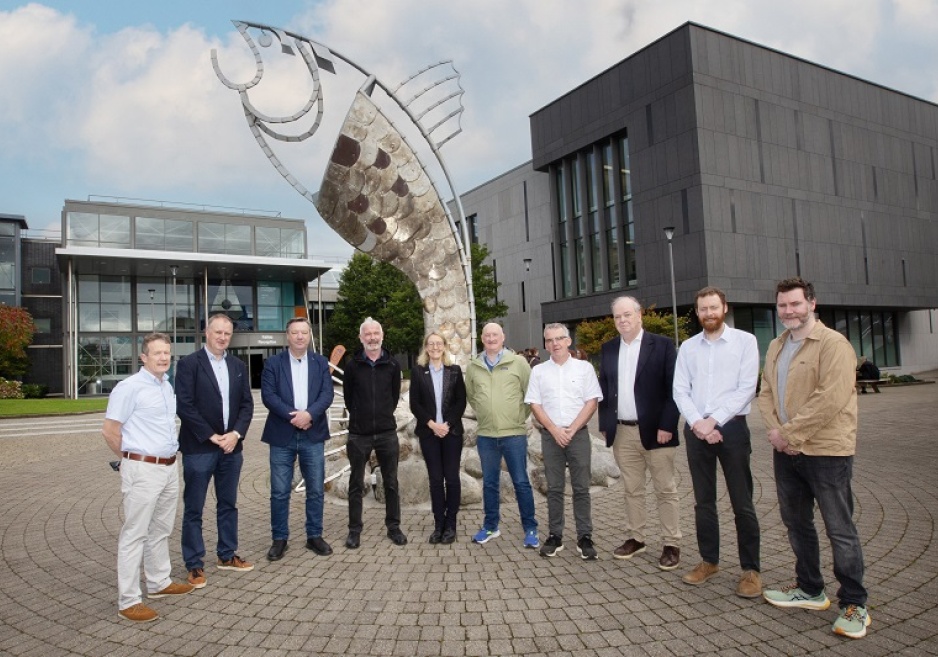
(577, 456)
(801, 481)
(197, 471)
(311, 457)
(442, 456)
(733, 455)
(387, 449)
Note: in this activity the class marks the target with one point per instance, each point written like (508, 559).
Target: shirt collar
(637, 340)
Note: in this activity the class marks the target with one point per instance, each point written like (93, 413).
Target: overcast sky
(119, 98)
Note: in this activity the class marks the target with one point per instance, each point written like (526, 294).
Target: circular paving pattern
(60, 516)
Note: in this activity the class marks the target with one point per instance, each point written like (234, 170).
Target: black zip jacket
(372, 391)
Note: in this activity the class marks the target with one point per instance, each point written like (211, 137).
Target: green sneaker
(852, 622)
(792, 596)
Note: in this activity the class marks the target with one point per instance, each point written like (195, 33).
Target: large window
(104, 304)
(233, 239)
(104, 230)
(163, 234)
(232, 299)
(276, 242)
(277, 302)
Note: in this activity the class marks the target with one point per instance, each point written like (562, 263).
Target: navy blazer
(654, 399)
(423, 399)
(199, 405)
(277, 395)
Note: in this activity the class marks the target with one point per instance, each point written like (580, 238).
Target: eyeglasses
(435, 344)
(553, 340)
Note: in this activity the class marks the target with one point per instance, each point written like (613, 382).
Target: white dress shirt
(299, 370)
(716, 378)
(220, 367)
(628, 365)
(563, 390)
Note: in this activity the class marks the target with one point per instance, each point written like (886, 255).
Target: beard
(797, 322)
(712, 324)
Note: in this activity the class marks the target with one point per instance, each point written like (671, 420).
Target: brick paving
(60, 515)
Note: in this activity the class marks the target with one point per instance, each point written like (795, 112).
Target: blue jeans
(801, 481)
(197, 471)
(514, 449)
(733, 455)
(313, 468)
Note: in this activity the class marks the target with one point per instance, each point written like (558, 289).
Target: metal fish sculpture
(376, 193)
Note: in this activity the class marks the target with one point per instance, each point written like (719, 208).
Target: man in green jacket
(496, 382)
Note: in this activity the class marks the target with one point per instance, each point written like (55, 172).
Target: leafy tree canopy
(16, 333)
(591, 334)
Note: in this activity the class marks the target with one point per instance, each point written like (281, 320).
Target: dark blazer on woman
(423, 400)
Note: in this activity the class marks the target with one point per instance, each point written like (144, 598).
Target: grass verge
(25, 407)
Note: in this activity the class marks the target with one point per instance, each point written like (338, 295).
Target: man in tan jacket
(809, 405)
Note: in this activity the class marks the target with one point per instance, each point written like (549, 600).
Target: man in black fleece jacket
(372, 388)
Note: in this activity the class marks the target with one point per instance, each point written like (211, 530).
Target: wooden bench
(873, 383)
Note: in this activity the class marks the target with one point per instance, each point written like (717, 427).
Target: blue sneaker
(531, 541)
(852, 622)
(484, 535)
(792, 596)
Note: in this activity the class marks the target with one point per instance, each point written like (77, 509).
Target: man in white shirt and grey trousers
(714, 384)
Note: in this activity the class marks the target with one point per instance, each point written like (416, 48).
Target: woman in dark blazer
(438, 400)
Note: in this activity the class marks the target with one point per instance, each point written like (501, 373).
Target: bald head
(493, 339)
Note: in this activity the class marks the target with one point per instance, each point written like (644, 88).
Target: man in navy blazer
(296, 387)
(638, 417)
(215, 406)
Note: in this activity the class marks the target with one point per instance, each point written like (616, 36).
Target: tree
(485, 288)
(591, 334)
(371, 288)
(16, 333)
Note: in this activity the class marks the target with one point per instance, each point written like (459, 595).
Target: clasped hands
(780, 443)
(439, 429)
(706, 429)
(227, 442)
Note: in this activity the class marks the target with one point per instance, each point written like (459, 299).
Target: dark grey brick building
(766, 166)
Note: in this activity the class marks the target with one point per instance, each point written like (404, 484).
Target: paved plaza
(60, 516)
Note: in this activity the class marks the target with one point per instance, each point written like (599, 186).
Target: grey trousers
(576, 455)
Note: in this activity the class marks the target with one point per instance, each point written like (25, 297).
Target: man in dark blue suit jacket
(296, 388)
(638, 417)
(214, 403)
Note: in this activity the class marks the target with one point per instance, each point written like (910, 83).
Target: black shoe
(586, 548)
(397, 537)
(436, 536)
(353, 540)
(449, 536)
(319, 546)
(552, 546)
(275, 553)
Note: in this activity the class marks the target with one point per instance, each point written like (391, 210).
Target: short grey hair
(557, 326)
(369, 320)
(632, 300)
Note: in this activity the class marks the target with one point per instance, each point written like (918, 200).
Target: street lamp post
(152, 310)
(174, 270)
(527, 270)
(669, 233)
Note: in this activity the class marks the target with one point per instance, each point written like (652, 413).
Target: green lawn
(18, 407)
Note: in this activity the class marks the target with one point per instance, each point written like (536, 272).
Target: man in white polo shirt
(563, 393)
(140, 427)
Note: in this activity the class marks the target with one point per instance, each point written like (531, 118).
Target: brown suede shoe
(629, 549)
(701, 573)
(174, 588)
(196, 578)
(235, 563)
(138, 613)
(750, 585)
(670, 558)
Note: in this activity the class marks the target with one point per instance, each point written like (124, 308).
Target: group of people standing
(807, 401)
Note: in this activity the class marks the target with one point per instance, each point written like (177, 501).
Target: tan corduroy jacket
(820, 396)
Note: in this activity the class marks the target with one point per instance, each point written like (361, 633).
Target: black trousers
(387, 448)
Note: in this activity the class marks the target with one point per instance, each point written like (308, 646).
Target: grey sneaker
(852, 622)
(793, 597)
(585, 547)
(552, 546)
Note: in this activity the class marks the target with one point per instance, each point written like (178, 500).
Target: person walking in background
(438, 401)
(140, 428)
(638, 417)
(296, 387)
(215, 407)
(372, 390)
(496, 382)
(808, 402)
(714, 384)
(563, 394)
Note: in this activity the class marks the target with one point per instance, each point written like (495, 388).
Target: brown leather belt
(628, 423)
(146, 458)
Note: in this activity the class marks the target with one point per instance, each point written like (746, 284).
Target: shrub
(10, 389)
(34, 390)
